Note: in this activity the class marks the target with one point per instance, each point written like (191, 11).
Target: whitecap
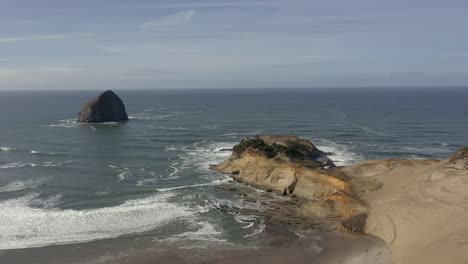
(213, 183)
(206, 232)
(69, 121)
(249, 220)
(102, 193)
(210, 126)
(23, 226)
(260, 228)
(172, 128)
(123, 175)
(66, 123)
(143, 182)
(13, 165)
(36, 152)
(203, 155)
(151, 116)
(341, 154)
(171, 148)
(416, 157)
(52, 164)
(371, 131)
(6, 149)
(22, 185)
(245, 134)
(49, 202)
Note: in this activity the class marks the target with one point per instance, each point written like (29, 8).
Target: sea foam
(22, 226)
(341, 154)
(22, 185)
(198, 156)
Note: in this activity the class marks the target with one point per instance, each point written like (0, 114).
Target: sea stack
(107, 107)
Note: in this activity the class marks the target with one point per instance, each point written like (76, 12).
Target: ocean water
(63, 183)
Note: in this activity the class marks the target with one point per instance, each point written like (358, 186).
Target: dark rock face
(107, 107)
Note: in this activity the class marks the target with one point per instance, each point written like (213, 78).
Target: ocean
(147, 184)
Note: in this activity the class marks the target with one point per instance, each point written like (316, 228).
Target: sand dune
(421, 210)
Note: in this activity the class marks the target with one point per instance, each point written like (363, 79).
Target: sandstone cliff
(293, 166)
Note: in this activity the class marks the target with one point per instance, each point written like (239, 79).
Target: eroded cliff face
(294, 167)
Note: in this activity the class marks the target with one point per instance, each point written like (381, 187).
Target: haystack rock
(107, 107)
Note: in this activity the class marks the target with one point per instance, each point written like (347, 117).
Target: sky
(170, 44)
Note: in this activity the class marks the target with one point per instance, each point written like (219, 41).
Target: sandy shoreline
(281, 247)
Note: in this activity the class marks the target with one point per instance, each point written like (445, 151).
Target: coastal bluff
(106, 107)
(417, 206)
(293, 166)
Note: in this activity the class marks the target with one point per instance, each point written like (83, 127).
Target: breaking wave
(6, 149)
(22, 226)
(22, 185)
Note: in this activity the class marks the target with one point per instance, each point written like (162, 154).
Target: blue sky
(142, 44)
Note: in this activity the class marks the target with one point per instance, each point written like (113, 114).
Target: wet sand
(277, 246)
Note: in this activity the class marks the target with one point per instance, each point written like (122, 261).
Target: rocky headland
(106, 107)
(418, 207)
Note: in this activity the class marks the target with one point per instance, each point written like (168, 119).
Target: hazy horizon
(124, 45)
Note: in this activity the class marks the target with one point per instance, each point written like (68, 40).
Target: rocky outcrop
(284, 148)
(418, 207)
(293, 166)
(107, 107)
(459, 160)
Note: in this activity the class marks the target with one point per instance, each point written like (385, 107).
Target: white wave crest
(6, 149)
(206, 232)
(37, 152)
(213, 183)
(123, 175)
(23, 226)
(66, 123)
(13, 165)
(22, 185)
(341, 154)
(49, 202)
(151, 116)
(198, 157)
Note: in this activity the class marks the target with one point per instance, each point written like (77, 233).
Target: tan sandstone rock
(295, 167)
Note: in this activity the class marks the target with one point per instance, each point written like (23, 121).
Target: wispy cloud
(72, 77)
(205, 4)
(177, 19)
(9, 39)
